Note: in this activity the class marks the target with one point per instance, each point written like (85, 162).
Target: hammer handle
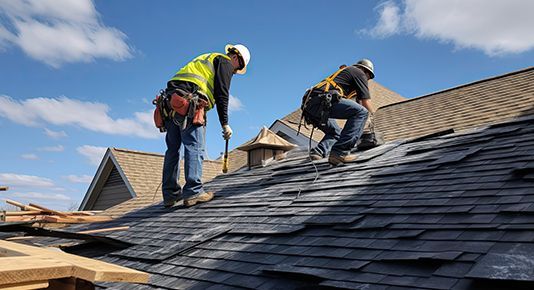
(225, 158)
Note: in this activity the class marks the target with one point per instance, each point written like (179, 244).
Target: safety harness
(315, 110)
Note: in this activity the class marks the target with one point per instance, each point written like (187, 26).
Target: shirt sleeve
(361, 84)
(224, 70)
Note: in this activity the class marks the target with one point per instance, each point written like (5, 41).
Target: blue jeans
(192, 138)
(338, 141)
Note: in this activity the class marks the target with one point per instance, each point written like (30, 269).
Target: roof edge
(137, 152)
(461, 86)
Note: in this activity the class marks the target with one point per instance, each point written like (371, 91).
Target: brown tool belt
(190, 105)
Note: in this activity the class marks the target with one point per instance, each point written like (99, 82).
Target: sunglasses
(239, 58)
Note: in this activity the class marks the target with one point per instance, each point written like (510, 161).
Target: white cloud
(495, 27)
(93, 116)
(58, 148)
(93, 153)
(389, 21)
(60, 31)
(21, 180)
(29, 156)
(78, 178)
(234, 104)
(55, 134)
(32, 195)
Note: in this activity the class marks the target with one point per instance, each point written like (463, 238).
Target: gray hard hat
(368, 65)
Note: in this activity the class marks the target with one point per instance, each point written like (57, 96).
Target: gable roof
(482, 102)
(142, 173)
(451, 211)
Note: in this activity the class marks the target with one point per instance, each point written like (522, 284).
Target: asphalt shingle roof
(143, 171)
(483, 102)
(449, 211)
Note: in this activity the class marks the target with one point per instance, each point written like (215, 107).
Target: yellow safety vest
(201, 72)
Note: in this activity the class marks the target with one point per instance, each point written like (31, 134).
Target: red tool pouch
(158, 114)
(200, 113)
(179, 104)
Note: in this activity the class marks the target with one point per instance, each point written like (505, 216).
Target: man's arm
(224, 71)
(366, 103)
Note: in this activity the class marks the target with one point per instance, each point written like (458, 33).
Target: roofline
(107, 157)
(138, 152)
(150, 153)
(461, 86)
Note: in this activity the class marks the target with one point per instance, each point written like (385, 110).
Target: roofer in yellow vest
(197, 87)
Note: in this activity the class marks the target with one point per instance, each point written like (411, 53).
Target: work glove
(227, 132)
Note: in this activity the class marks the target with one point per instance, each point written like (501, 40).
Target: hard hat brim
(229, 47)
(366, 69)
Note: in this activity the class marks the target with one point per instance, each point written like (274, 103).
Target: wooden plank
(27, 269)
(48, 210)
(20, 238)
(124, 228)
(81, 267)
(76, 219)
(25, 285)
(24, 212)
(20, 205)
(30, 218)
(87, 213)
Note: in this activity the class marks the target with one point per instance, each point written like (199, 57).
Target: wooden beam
(21, 206)
(24, 212)
(25, 218)
(76, 219)
(3, 188)
(27, 269)
(21, 238)
(124, 228)
(32, 261)
(25, 285)
(48, 210)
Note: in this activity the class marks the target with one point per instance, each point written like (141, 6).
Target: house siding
(113, 192)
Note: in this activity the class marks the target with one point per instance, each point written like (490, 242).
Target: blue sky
(78, 76)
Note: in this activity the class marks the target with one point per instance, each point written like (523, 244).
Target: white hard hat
(242, 51)
(368, 65)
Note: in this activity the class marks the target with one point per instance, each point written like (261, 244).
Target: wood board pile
(38, 213)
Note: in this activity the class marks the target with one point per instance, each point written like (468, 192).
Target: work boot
(315, 156)
(336, 159)
(203, 197)
(168, 204)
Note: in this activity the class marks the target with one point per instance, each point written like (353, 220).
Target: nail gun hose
(225, 159)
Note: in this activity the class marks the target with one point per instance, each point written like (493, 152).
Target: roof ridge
(462, 86)
(136, 152)
(150, 153)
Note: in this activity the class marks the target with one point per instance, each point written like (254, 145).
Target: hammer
(225, 158)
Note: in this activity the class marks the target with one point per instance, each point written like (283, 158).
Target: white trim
(96, 180)
(300, 140)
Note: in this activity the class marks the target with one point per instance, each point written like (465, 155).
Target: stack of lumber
(38, 213)
(28, 267)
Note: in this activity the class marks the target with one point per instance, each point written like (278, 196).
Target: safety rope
(313, 163)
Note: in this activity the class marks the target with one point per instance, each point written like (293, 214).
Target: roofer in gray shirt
(332, 99)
